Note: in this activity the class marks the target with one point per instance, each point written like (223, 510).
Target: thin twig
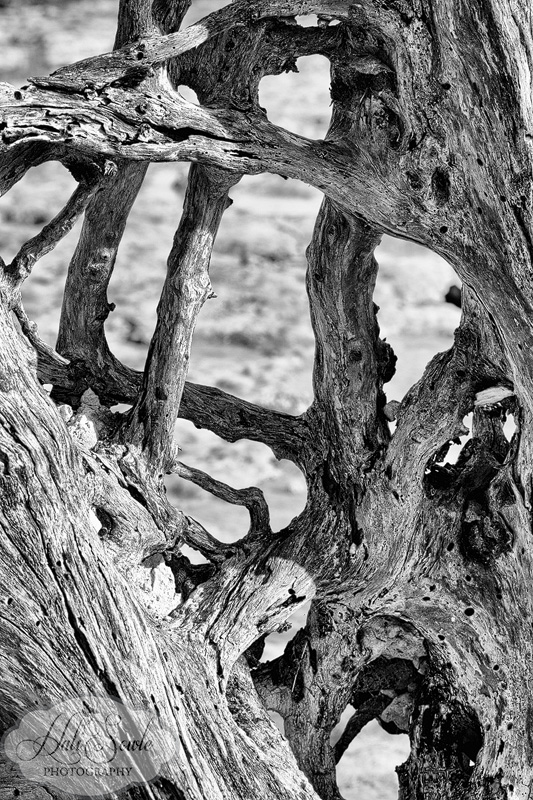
(52, 233)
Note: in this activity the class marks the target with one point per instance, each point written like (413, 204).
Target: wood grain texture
(418, 569)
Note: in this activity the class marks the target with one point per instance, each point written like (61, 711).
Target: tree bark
(419, 571)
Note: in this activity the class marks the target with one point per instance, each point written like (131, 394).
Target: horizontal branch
(134, 61)
(232, 419)
(251, 498)
(142, 126)
(206, 407)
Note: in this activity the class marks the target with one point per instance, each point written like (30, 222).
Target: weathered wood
(187, 286)
(418, 570)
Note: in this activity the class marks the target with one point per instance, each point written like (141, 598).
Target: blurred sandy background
(255, 339)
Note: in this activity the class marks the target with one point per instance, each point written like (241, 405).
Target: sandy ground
(255, 339)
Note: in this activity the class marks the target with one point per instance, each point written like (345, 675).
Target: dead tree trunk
(419, 571)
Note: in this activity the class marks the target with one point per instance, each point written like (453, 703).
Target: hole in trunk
(275, 643)
(486, 445)
(510, 427)
(194, 556)
(188, 94)
(367, 767)
(305, 98)
(340, 727)
(414, 316)
(450, 453)
(278, 721)
(307, 20)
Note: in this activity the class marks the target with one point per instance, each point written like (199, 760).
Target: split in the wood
(484, 450)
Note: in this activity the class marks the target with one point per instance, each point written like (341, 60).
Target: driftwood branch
(52, 233)
(187, 286)
(196, 536)
(207, 407)
(134, 62)
(351, 363)
(232, 419)
(85, 305)
(252, 498)
(402, 555)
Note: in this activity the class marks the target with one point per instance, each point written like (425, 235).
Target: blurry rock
(391, 410)
(453, 296)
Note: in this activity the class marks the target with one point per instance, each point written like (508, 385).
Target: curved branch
(252, 498)
(197, 537)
